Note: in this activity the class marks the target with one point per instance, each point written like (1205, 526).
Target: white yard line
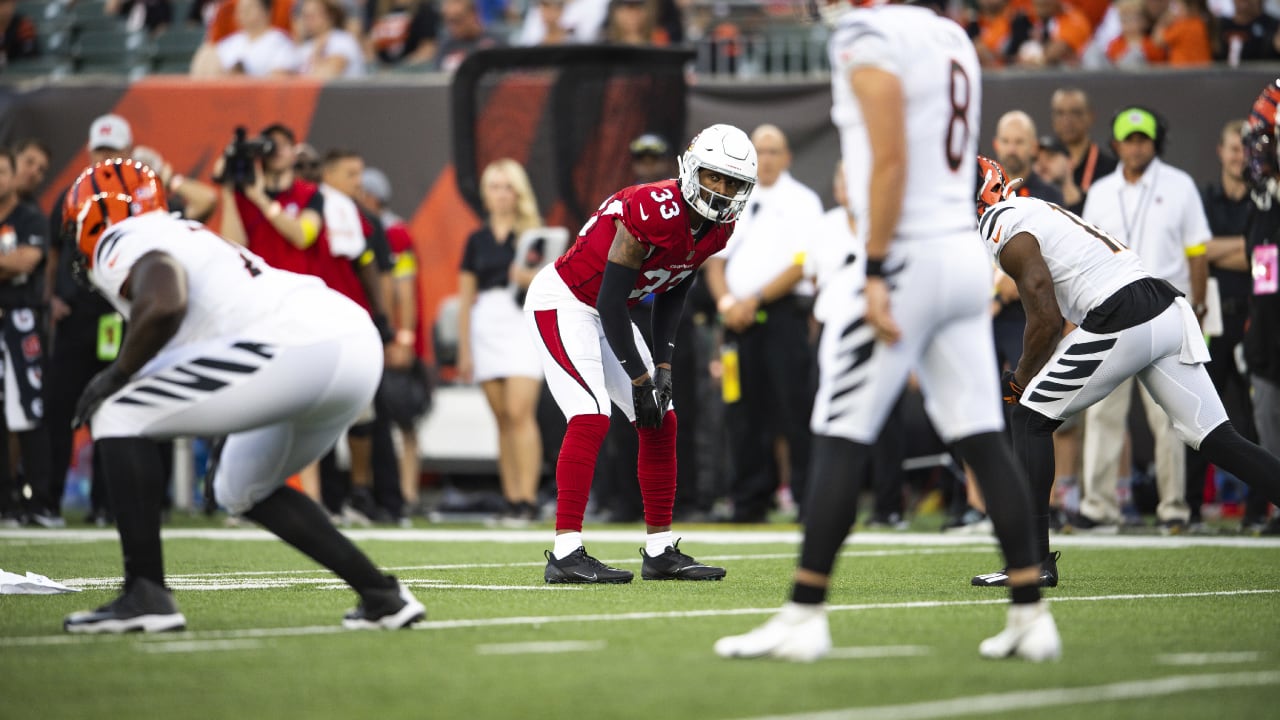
(188, 646)
(233, 581)
(538, 620)
(541, 648)
(1213, 658)
(872, 652)
(698, 536)
(1004, 703)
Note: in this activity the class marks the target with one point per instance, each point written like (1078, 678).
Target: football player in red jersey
(646, 238)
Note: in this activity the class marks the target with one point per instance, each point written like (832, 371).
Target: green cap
(1134, 120)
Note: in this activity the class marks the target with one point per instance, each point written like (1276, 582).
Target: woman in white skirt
(495, 348)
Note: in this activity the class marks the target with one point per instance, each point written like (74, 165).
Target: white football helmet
(728, 151)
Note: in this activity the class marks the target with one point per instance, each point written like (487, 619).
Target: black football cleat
(144, 606)
(675, 565)
(1048, 574)
(386, 608)
(579, 567)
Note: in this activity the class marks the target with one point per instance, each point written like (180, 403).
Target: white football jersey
(942, 86)
(230, 290)
(836, 261)
(1087, 264)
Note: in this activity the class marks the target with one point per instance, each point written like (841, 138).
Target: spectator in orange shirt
(635, 22)
(225, 23)
(1094, 10)
(1134, 47)
(1181, 30)
(997, 29)
(1058, 36)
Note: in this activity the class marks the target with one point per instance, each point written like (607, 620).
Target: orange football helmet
(107, 193)
(1260, 138)
(993, 184)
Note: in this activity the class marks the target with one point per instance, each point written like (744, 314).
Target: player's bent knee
(238, 497)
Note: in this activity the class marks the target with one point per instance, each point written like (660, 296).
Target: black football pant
(776, 370)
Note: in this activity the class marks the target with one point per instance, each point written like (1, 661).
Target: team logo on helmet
(993, 185)
(728, 151)
(105, 194)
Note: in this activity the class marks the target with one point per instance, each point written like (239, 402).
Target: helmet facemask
(725, 150)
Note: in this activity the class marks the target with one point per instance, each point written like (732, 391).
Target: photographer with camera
(265, 207)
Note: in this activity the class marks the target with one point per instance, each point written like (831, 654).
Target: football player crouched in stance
(1130, 324)
(648, 238)
(219, 343)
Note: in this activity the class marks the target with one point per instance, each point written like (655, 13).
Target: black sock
(807, 594)
(1033, 446)
(134, 479)
(1259, 469)
(836, 473)
(1025, 594)
(1008, 502)
(294, 518)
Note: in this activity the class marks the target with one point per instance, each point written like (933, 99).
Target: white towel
(1195, 350)
(31, 584)
(342, 224)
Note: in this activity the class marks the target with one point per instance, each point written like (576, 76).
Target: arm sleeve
(611, 303)
(1196, 223)
(668, 307)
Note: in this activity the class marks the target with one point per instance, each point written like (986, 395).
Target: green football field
(1152, 627)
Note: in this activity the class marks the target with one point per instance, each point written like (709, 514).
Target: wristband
(875, 268)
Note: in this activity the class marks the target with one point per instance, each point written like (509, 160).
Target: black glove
(102, 386)
(644, 398)
(662, 381)
(1010, 388)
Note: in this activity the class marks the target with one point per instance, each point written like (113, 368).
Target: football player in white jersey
(219, 343)
(1130, 324)
(906, 88)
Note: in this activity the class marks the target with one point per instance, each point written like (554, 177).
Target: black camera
(240, 156)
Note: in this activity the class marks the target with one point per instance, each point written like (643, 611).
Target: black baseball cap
(649, 144)
(1054, 145)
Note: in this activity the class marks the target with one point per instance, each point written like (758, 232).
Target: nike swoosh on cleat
(592, 576)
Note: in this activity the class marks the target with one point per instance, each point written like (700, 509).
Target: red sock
(576, 466)
(656, 470)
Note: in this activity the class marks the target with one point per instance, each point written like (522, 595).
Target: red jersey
(655, 214)
(264, 240)
(339, 272)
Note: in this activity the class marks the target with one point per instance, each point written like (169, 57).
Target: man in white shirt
(1154, 209)
(754, 282)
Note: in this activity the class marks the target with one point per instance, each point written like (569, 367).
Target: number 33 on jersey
(656, 216)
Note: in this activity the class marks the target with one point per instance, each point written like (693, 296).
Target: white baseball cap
(375, 182)
(110, 132)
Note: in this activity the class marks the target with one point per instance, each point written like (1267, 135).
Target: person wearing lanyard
(1262, 334)
(1072, 121)
(1154, 209)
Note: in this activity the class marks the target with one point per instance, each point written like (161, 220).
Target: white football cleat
(1030, 634)
(798, 633)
